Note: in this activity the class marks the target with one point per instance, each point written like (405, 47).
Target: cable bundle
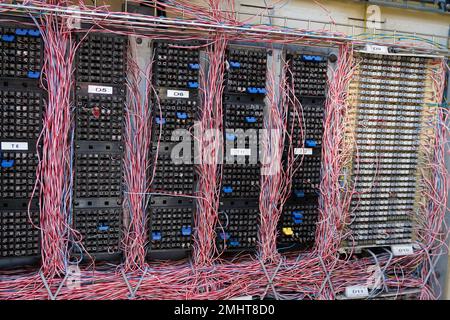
(138, 126)
(210, 148)
(54, 169)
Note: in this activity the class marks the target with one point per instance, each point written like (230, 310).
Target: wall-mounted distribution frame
(308, 71)
(21, 109)
(391, 121)
(100, 96)
(243, 116)
(175, 109)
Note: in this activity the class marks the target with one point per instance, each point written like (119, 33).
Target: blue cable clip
(311, 143)
(33, 74)
(262, 90)
(186, 230)
(182, 115)
(299, 193)
(103, 227)
(234, 243)
(312, 58)
(21, 32)
(252, 90)
(194, 66)
(7, 163)
(250, 119)
(235, 64)
(224, 236)
(227, 189)
(230, 136)
(8, 37)
(160, 120)
(192, 84)
(34, 33)
(297, 216)
(156, 236)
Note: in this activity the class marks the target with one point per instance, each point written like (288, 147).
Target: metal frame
(337, 32)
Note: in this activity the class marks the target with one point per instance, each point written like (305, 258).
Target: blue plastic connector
(262, 90)
(234, 243)
(34, 33)
(224, 236)
(156, 236)
(252, 90)
(312, 58)
(103, 227)
(311, 143)
(33, 74)
(160, 120)
(182, 115)
(227, 189)
(8, 37)
(297, 214)
(21, 32)
(194, 66)
(192, 84)
(186, 230)
(250, 119)
(7, 163)
(235, 64)
(299, 193)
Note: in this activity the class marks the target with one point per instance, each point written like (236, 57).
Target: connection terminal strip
(173, 177)
(237, 229)
(389, 121)
(98, 147)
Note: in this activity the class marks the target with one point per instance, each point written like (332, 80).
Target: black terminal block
(170, 177)
(100, 117)
(170, 115)
(21, 53)
(307, 156)
(98, 158)
(100, 228)
(102, 58)
(297, 225)
(18, 174)
(246, 69)
(20, 113)
(245, 116)
(171, 228)
(238, 225)
(19, 233)
(309, 73)
(98, 175)
(171, 224)
(240, 181)
(176, 65)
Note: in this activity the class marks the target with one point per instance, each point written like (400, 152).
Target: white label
(177, 94)
(100, 89)
(306, 151)
(14, 146)
(402, 250)
(356, 292)
(243, 298)
(240, 152)
(376, 49)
